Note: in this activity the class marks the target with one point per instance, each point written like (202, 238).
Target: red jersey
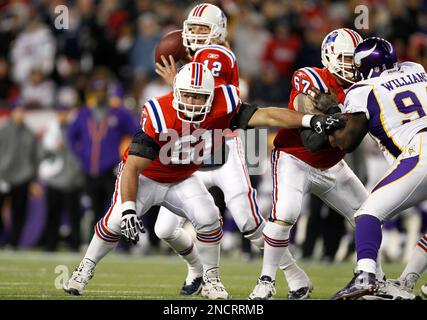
(221, 62)
(289, 140)
(184, 145)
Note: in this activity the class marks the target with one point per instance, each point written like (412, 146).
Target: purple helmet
(373, 56)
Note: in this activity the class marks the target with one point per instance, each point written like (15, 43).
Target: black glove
(131, 226)
(326, 103)
(327, 123)
(313, 141)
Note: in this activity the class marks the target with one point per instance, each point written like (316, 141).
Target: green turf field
(31, 275)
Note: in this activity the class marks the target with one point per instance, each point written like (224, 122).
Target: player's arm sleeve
(143, 146)
(313, 141)
(242, 116)
(144, 143)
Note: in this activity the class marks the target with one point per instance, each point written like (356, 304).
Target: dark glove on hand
(327, 123)
(326, 103)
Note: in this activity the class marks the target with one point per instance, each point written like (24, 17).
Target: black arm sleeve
(313, 141)
(333, 110)
(242, 117)
(143, 146)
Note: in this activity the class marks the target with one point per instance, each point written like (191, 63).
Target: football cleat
(193, 288)
(264, 289)
(389, 290)
(80, 277)
(424, 290)
(212, 287)
(409, 282)
(362, 284)
(301, 293)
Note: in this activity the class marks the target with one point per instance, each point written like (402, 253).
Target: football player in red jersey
(297, 171)
(175, 137)
(204, 34)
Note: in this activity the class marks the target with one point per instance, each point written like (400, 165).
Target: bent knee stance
(105, 233)
(276, 235)
(255, 235)
(210, 233)
(245, 212)
(166, 232)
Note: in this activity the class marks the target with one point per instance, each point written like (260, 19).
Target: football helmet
(204, 14)
(372, 57)
(195, 78)
(336, 47)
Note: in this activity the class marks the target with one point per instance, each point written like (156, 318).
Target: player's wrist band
(306, 120)
(128, 205)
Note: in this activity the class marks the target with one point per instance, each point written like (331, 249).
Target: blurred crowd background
(70, 100)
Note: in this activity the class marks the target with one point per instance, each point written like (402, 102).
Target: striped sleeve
(232, 99)
(311, 75)
(155, 114)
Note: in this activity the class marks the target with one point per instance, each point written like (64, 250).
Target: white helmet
(193, 77)
(337, 45)
(207, 15)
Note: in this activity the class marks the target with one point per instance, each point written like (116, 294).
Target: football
(171, 44)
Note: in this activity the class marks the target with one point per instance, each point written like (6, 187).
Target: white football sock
(209, 245)
(367, 265)
(275, 242)
(418, 260)
(183, 244)
(295, 276)
(209, 255)
(98, 249)
(256, 236)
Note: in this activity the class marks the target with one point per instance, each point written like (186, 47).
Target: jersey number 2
(216, 67)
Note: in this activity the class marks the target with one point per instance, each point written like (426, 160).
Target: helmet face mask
(195, 40)
(192, 112)
(206, 15)
(345, 67)
(193, 93)
(337, 53)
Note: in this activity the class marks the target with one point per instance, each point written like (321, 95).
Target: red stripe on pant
(116, 193)
(276, 184)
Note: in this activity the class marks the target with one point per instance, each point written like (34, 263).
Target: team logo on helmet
(361, 55)
(331, 37)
